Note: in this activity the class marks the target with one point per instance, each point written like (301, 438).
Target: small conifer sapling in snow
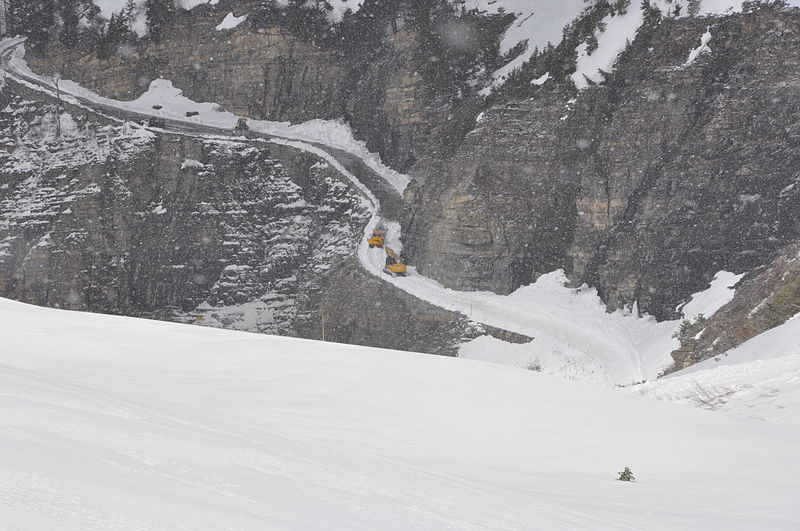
(626, 475)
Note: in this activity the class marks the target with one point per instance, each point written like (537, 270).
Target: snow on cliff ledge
(620, 29)
(541, 22)
(230, 21)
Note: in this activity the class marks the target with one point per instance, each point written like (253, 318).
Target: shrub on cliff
(70, 21)
(783, 304)
(455, 45)
(309, 19)
(689, 329)
(267, 12)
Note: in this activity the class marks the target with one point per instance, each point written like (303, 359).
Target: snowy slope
(621, 28)
(538, 22)
(112, 422)
(760, 378)
(718, 294)
(575, 337)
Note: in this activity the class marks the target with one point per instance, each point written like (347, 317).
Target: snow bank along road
(389, 197)
(113, 422)
(574, 336)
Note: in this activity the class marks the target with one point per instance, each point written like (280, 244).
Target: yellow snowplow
(393, 265)
(241, 128)
(376, 240)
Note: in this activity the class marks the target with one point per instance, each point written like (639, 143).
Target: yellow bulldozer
(376, 240)
(394, 266)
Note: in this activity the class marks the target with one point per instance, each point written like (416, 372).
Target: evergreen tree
(308, 19)
(15, 16)
(34, 18)
(620, 7)
(129, 13)
(363, 30)
(266, 13)
(116, 33)
(160, 14)
(652, 14)
(626, 475)
(70, 20)
(118, 30)
(452, 45)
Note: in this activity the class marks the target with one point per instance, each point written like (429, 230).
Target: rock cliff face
(266, 72)
(645, 186)
(501, 211)
(764, 299)
(116, 219)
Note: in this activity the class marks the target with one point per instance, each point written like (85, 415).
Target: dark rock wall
(377, 314)
(251, 236)
(116, 219)
(720, 193)
(270, 73)
(765, 298)
(644, 187)
(501, 211)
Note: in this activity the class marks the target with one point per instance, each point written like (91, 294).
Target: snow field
(759, 379)
(574, 336)
(128, 423)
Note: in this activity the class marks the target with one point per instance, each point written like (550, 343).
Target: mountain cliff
(642, 153)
